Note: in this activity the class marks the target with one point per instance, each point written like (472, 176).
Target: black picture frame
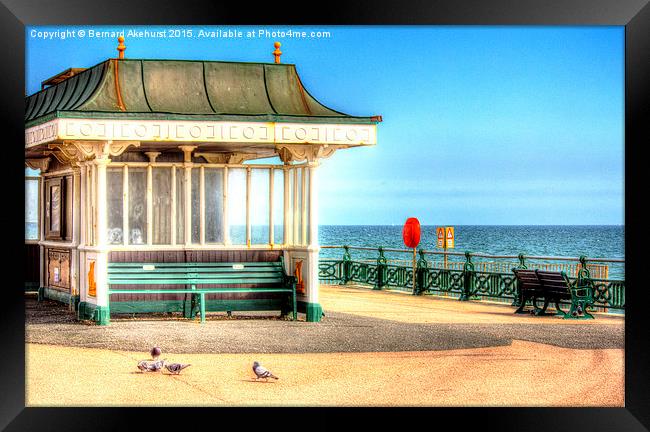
(633, 14)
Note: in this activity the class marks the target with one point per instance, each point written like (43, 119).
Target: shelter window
(32, 194)
(162, 205)
(115, 187)
(137, 206)
(238, 205)
(259, 206)
(213, 192)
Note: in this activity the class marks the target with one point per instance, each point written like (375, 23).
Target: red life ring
(411, 232)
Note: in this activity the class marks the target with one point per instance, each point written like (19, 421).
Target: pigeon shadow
(252, 380)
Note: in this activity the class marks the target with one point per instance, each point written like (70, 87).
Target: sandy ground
(403, 307)
(504, 373)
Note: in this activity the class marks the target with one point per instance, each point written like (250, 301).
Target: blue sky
(482, 125)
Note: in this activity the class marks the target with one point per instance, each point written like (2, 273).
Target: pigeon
(155, 353)
(151, 366)
(176, 368)
(262, 372)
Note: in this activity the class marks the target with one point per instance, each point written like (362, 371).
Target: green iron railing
(466, 279)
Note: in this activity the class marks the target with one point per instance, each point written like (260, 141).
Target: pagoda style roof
(183, 90)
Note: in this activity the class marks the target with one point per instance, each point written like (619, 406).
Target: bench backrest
(554, 283)
(528, 280)
(246, 273)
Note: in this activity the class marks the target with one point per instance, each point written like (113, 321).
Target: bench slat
(193, 275)
(198, 265)
(199, 291)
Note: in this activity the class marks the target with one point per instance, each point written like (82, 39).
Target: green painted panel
(237, 88)
(288, 96)
(132, 90)
(56, 295)
(175, 86)
(314, 312)
(163, 306)
(147, 306)
(86, 311)
(105, 98)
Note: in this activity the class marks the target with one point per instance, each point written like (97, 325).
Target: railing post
(521, 266)
(347, 262)
(381, 270)
(422, 275)
(468, 278)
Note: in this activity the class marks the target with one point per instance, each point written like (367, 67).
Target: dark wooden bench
(554, 287)
(201, 279)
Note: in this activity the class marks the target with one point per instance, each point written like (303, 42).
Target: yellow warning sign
(449, 237)
(440, 231)
(445, 237)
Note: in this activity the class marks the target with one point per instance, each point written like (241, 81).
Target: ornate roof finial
(277, 53)
(121, 47)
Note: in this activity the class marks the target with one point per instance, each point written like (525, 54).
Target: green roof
(183, 89)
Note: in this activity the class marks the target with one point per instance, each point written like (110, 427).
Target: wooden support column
(172, 216)
(101, 264)
(303, 203)
(271, 233)
(314, 310)
(125, 205)
(202, 205)
(76, 231)
(294, 210)
(248, 207)
(187, 166)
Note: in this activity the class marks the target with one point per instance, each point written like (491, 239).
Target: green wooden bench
(223, 278)
(555, 286)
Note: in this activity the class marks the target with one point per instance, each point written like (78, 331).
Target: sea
(592, 241)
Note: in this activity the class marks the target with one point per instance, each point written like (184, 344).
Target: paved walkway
(372, 348)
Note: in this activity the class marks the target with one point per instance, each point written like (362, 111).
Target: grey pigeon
(262, 372)
(176, 368)
(151, 366)
(155, 353)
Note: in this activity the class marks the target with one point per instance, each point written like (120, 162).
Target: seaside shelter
(145, 161)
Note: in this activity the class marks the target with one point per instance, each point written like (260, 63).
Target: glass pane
(137, 206)
(259, 206)
(196, 206)
(180, 206)
(290, 215)
(31, 210)
(32, 172)
(162, 205)
(237, 205)
(213, 205)
(114, 195)
(278, 206)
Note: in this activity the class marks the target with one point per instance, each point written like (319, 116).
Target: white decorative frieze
(200, 131)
